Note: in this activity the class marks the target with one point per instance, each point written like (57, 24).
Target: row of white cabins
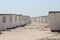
(8, 21)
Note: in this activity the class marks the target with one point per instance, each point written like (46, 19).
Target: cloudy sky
(29, 7)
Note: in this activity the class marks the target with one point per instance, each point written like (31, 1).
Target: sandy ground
(30, 32)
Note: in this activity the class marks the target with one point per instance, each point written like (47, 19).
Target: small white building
(20, 19)
(54, 17)
(27, 19)
(7, 21)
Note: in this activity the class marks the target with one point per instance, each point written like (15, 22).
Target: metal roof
(54, 11)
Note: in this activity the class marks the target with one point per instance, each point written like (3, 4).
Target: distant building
(40, 19)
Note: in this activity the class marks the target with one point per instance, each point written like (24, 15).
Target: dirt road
(28, 33)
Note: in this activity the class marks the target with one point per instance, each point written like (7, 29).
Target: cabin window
(10, 18)
(4, 19)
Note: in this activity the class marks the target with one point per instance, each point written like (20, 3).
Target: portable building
(25, 19)
(14, 20)
(54, 18)
(20, 19)
(2, 21)
(7, 21)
